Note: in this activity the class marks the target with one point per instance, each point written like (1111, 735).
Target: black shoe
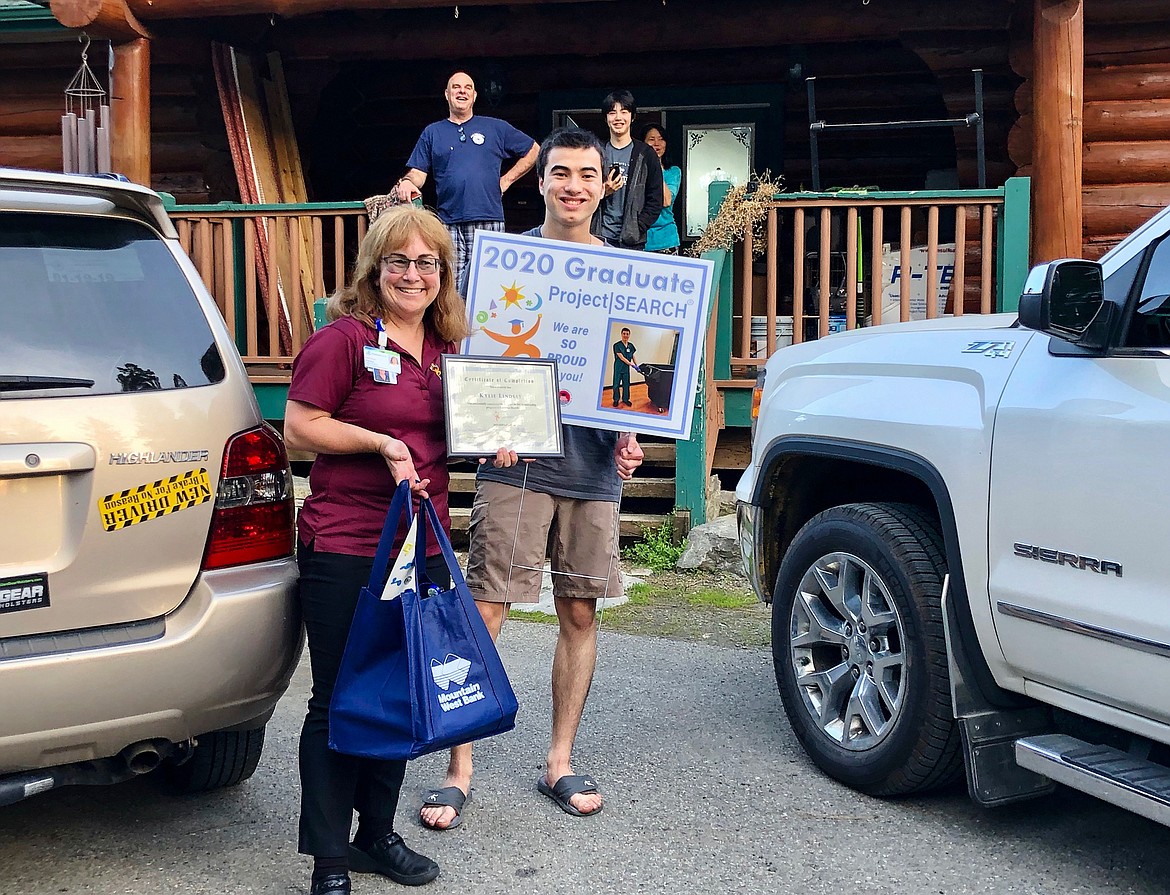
(335, 884)
(391, 857)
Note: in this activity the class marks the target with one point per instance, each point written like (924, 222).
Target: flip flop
(567, 787)
(446, 797)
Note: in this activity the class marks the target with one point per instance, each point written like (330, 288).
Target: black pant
(334, 785)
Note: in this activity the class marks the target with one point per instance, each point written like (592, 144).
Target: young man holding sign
(569, 504)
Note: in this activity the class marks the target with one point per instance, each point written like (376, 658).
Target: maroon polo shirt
(351, 493)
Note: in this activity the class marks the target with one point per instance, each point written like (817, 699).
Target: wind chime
(85, 126)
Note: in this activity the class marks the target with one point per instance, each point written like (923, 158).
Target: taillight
(253, 517)
(757, 396)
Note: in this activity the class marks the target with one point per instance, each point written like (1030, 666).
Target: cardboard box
(892, 275)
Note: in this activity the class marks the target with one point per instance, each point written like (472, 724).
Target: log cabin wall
(33, 77)
(188, 141)
(376, 79)
(363, 83)
(1126, 168)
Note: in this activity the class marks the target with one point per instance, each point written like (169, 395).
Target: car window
(1118, 283)
(101, 300)
(1150, 325)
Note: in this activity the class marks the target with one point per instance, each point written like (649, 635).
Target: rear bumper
(224, 660)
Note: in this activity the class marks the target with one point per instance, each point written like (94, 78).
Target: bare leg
(573, 663)
(459, 765)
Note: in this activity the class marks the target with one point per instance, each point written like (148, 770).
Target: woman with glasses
(367, 398)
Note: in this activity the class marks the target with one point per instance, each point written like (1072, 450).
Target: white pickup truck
(958, 523)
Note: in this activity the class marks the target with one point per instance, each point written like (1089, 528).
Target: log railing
(828, 256)
(266, 266)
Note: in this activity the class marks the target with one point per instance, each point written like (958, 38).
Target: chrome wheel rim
(847, 650)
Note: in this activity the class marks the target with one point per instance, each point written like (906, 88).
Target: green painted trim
(899, 195)
(319, 317)
(28, 18)
(690, 464)
(690, 456)
(723, 321)
(272, 397)
(240, 286)
(737, 407)
(716, 194)
(277, 206)
(1015, 237)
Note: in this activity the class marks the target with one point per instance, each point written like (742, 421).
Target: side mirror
(1066, 299)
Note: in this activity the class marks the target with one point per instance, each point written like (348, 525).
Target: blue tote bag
(420, 672)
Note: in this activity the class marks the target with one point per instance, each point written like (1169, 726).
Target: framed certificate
(494, 402)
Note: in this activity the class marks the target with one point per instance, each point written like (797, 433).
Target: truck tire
(223, 758)
(858, 645)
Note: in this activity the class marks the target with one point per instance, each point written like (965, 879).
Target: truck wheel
(857, 641)
(223, 758)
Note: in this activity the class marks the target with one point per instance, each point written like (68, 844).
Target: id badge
(384, 365)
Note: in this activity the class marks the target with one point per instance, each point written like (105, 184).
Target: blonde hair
(390, 232)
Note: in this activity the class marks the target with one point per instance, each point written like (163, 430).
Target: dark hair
(567, 138)
(625, 329)
(622, 98)
(644, 131)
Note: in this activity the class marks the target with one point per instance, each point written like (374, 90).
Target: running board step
(1109, 774)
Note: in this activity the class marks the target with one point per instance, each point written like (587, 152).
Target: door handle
(45, 459)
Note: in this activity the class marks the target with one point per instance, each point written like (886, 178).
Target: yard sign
(531, 297)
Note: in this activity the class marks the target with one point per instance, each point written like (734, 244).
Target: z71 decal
(179, 492)
(990, 348)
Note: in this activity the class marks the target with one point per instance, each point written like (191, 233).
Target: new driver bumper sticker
(161, 498)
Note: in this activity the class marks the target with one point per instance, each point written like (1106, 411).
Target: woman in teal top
(663, 233)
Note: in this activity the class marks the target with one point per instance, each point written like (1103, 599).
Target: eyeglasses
(462, 136)
(400, 264)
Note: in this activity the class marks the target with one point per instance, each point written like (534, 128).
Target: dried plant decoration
(745, 206)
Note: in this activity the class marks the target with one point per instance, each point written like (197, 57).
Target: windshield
(96, 306)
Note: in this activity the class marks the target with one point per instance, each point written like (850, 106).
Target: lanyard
(383, 339)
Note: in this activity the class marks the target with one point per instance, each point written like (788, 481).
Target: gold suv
(147, 585)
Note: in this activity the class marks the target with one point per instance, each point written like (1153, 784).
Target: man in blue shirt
(464, 153)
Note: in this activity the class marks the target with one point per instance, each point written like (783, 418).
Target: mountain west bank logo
(453, 669)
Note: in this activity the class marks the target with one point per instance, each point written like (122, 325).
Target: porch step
(464, 483)
(1109, 774)
(633, 525)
